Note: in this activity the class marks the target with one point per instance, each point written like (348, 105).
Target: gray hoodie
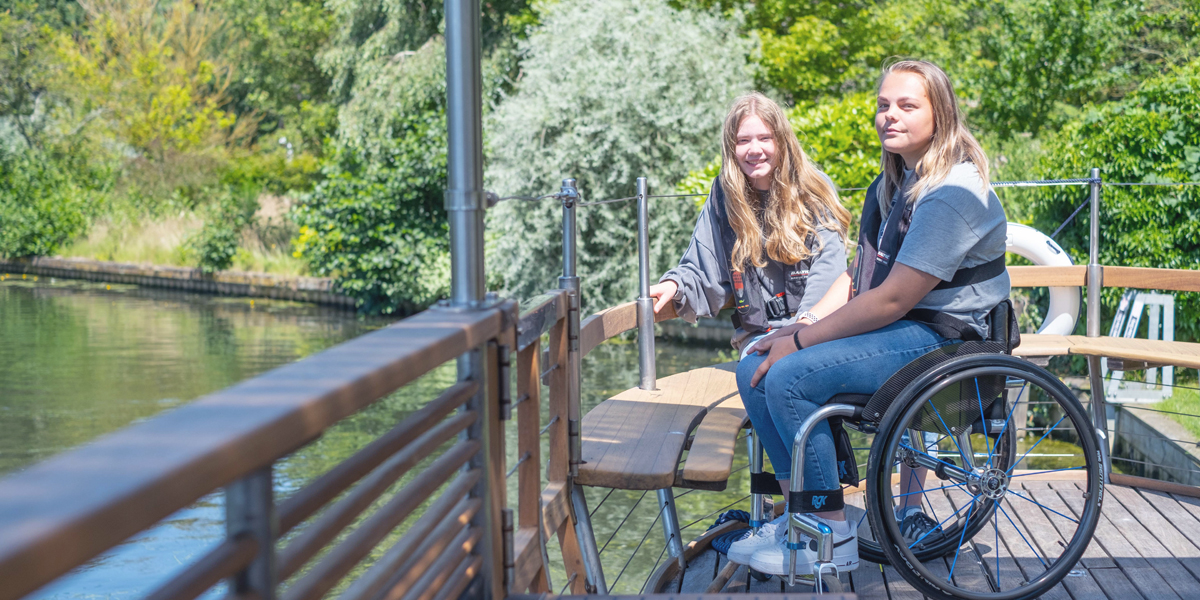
(705, 283)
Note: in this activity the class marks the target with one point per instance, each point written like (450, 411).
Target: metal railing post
(570, 282)
(754, 448)
(1095, 284)
(645, 304)
(465, 206)
(250, 511)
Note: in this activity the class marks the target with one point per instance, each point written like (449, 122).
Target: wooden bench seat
(634, 440)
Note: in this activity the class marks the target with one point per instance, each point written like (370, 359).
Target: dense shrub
(41, 206)
(601, 101)
(1152, 136)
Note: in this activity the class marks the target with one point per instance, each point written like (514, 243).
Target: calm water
(78, 360)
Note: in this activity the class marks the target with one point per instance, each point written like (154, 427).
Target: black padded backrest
(1002, 326)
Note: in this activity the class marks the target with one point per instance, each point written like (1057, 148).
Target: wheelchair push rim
(990, 486)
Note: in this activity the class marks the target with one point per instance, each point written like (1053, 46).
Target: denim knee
(745, 371)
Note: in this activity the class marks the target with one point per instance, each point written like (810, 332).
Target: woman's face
(904, 117)
(755, 151)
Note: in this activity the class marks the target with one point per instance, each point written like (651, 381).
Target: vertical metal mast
(465, 206)
(464, 160)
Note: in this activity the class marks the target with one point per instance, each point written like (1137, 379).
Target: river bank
(318, 290)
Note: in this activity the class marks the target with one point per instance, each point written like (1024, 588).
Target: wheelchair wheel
(991, 431)
(1003, 445)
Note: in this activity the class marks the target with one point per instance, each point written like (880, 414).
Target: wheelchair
(970, 418)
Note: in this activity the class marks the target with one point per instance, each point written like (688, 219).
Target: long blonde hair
(952, 142)
(800, 198)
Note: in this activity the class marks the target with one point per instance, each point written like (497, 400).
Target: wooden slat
(1180, 354)
(710, 457)
(725, 571)
(529, 439)
(1179, 280)
(468, 569)
(358, 544)
(527, 558)
(559, 454)
(648, 596)
(634, 440)
(1179, 522)
(572, 557)
(227, 558)
(439, 573)
(337, 517)
(555, 507)
(739, 582)
(1039, 276)
(1033, 344)
(64, 511)
(417, 548)
(313, 496)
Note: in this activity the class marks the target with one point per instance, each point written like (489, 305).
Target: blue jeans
(803, 381)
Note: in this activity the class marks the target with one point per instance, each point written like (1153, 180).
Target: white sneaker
(767, 535)
(773, 559)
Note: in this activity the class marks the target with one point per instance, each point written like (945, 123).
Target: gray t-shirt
(957, 225)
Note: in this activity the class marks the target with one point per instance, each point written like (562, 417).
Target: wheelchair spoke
(1020, 495)
(962, 535)
(1044, 435)
(996, 546)
(922, 538)
(1008, 419)
(982, 419)
(1018, 530)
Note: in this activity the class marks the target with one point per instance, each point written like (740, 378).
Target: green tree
(1151, 136)
(603, 103)
(41, 205)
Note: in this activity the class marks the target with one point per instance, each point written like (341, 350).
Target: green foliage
(41, 206)
(1039, 55)
(608, 107)
(1152, 136)
(272, 45)
(24, 66)
(216, 244)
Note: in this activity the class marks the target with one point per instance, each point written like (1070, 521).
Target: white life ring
(1041, 250)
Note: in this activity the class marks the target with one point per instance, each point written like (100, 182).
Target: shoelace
(915, 525)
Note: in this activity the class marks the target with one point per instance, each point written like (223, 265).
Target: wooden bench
(635, 440)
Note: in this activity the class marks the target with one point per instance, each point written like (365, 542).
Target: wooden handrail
(65, 511)
(1039, 276)
(614, 321)
(1178, 280)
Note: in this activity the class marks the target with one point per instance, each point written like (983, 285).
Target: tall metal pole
(1095, 284)
(464, 160)
(465, 205)
(645, 304)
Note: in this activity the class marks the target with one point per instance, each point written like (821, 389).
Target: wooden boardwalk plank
(867, 581)
(700, 572)
(1181, 580)
(898, 588)
(1018, 522)
(739, 583)
(1179, 520)
(1122, 549)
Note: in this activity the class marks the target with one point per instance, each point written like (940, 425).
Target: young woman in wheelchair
(930, 215)
(771, 235)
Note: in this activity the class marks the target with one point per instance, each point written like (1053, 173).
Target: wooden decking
(1147, 545)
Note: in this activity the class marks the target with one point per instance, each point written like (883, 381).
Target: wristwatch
(807, 315)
